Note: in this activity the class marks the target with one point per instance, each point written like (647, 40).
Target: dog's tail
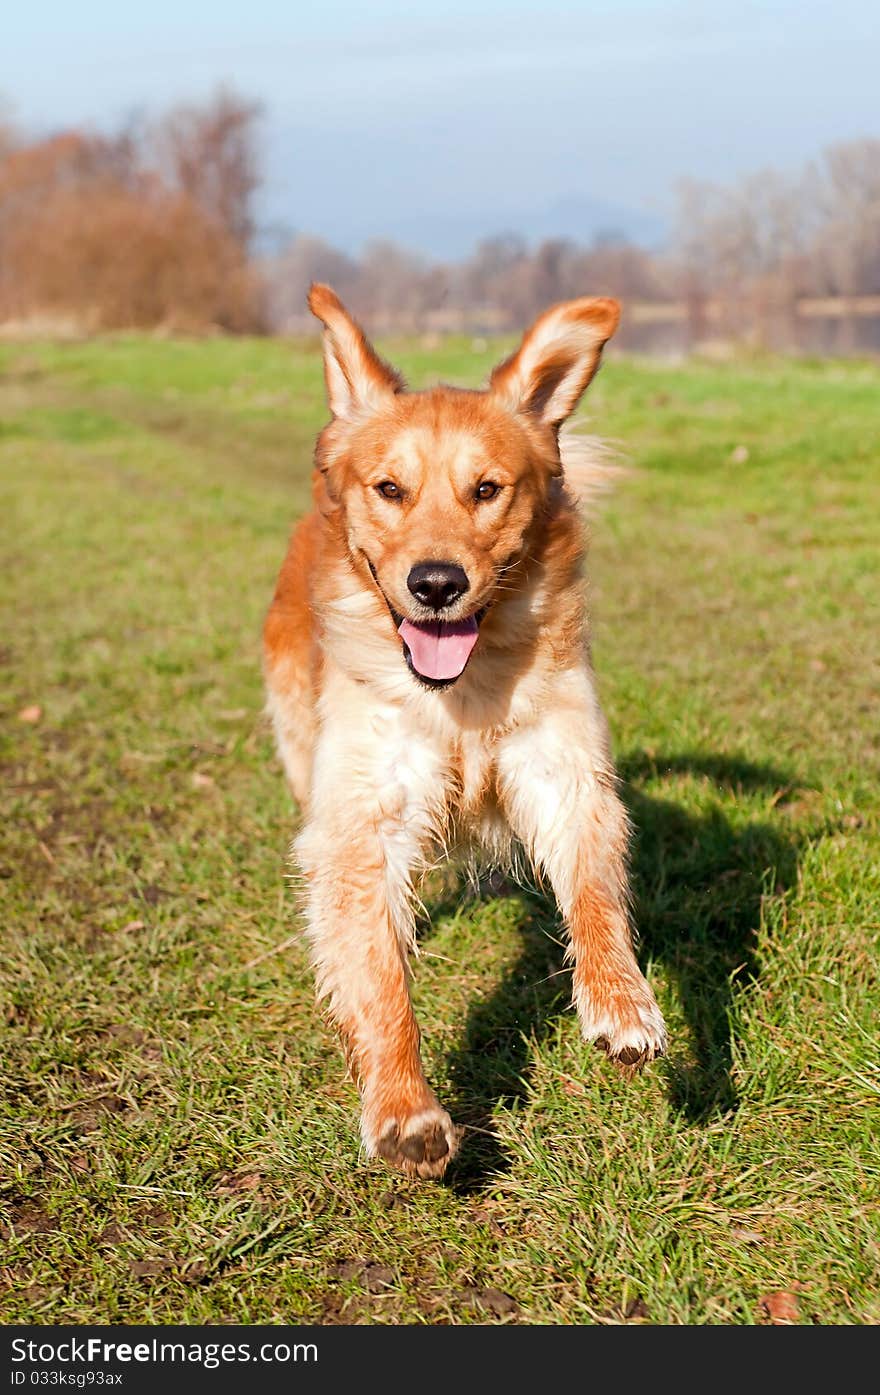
(591, 468)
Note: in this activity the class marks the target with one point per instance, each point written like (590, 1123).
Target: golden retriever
(429, 679)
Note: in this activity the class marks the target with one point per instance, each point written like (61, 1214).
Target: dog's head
(439, 492)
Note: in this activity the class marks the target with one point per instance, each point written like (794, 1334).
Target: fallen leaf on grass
(30, 714)
(229, 1184)
(780, 1307)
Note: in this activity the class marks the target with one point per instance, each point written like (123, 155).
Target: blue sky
(437, 123)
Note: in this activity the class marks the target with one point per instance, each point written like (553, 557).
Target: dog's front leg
(366, 833)
(557, 787)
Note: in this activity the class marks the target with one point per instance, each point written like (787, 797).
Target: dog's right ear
(358, 380)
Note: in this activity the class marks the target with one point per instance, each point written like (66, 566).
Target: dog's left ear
(358, 380)
(558, 356)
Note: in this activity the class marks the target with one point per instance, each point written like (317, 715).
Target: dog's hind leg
(292, 660)
(289, 705)
(366, 833)
(557, 787)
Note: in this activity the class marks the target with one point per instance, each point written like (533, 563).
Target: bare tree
(209, 153)
(397, 286)
(289, 275)
(9, 137)
(144, 227)
(90, 232)
(847, 190)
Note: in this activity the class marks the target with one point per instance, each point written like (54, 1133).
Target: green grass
(179, 1142)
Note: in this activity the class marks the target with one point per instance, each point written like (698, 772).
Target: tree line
(155, 226)
(149, 226)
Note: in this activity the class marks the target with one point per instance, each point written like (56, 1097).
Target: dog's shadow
(698, 881)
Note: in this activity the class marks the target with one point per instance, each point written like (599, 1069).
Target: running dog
(428, 671)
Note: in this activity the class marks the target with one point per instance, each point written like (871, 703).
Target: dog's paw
(628, 1026)
(421, 1146)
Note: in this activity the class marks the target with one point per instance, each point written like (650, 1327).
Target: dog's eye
(389, 490)
(487, 490)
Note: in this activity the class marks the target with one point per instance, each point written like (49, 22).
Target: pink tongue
(439, 650)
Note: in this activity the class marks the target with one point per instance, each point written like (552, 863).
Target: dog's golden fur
(388, 764)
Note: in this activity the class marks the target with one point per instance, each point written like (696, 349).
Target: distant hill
(579, 219)
(453, 236)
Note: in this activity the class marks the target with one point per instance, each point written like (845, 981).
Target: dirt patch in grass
(89, 1115)
(489, 1300)
(27, 1218)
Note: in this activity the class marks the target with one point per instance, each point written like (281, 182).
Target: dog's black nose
(437, 584)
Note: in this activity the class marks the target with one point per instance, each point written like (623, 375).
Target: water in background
(675, 330)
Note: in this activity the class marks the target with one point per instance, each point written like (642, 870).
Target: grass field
(179, 1142)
